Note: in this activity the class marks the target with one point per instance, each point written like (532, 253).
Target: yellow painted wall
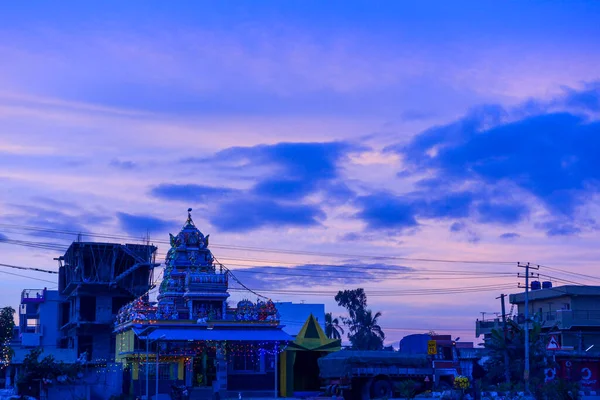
(135, 371)
(283, 373)
(180, 369)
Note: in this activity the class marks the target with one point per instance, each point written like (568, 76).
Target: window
(269, 362)
(87, 308)
(246, 363)
(164, 371)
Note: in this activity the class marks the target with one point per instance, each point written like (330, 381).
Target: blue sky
(367, 137)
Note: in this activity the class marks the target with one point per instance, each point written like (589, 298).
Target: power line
(263, 249)
(380, 278)
(239, 282)
(28, 268)
(570, 272)
(25, 276)
(345, 269)
(375, 293)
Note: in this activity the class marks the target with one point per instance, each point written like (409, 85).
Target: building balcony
(486, 327)
(33, 296)
(564, 319)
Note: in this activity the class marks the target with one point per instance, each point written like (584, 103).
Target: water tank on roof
(547, 285)
(536, 285)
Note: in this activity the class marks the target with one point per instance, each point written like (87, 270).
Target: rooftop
(556, 292)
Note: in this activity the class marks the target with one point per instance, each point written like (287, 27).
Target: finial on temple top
(189, 218)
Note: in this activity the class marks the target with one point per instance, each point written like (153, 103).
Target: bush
(558, 389)
(408, 389)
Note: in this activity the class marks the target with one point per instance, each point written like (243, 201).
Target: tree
(369, 335)
(7, 324)
(333, 330)
(514, 345)
(364, 331)
(355, 301)
(46, 371)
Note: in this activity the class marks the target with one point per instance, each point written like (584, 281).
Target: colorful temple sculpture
(190, 335)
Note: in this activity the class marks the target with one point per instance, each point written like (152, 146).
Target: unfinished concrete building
(95, 281)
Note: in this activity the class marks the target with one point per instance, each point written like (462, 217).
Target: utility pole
(147, 367)
(526, 371)
(505, 329)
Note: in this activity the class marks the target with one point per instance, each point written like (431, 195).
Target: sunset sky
(322, 145)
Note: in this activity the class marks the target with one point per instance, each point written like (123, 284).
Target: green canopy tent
(299, 367)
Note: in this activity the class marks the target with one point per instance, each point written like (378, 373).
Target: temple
(190, 335)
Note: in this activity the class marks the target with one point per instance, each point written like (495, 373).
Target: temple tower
(193, 287)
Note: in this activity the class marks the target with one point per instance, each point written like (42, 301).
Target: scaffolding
(128, 267)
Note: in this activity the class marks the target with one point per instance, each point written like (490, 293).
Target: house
(571, 313)
(569, 318)
(75, 322)
(191, 335)
(95, 280)
(38, 327)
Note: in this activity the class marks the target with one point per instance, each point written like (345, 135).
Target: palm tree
(368, 334)
(513, 349)
(333, 330)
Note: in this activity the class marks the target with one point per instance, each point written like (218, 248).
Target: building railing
(33, 296)
(563, 318)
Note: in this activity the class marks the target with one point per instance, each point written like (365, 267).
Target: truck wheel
(381, 388)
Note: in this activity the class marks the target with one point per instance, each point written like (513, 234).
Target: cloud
(283, 175)
(56, 221)
(387, 211)
(296, 170)
(550, 156)
(246, 214)
(561, 228)
(284, 188)
(269, 277)
(445, 205)
(191, 192)
(122, 164)
(509, 235)
(141, 224)
(465, 232)
(458, 227)
(501, 213)
(368, 237)
(586, 99)
(3, 237)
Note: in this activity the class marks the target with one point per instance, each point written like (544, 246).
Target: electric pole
(526, 371)
(505, 329)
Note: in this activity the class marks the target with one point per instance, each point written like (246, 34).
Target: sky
(416, 149)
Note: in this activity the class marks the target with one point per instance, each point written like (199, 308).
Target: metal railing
(33, 296)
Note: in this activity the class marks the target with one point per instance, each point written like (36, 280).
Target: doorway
(204, 371)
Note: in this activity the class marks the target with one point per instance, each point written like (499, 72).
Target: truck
(363, 375)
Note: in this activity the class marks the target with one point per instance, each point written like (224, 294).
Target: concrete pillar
(7, 373)
(16, 377)
(221, 378)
